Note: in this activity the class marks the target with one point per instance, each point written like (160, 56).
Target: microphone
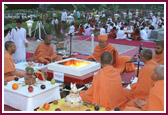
(132, 61)
(140, 47)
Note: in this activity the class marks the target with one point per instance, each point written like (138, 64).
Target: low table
(23, 100)
(21, 66)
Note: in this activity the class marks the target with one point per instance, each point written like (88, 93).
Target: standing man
(64, 16)
(18, 36)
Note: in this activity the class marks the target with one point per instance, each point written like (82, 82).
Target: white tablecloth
(23, 100)
(21, 66)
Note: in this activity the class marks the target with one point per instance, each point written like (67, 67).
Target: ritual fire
(75, 63)
(74, 66)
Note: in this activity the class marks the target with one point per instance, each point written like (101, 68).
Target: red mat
(122, 42)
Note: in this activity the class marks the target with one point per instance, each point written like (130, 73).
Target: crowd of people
(135, 26)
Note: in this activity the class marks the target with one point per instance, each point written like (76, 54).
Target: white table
(23, 100)
(21, 66)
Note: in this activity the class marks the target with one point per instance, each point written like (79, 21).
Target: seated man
(140, 90)
(106, 89)
(121, 34)
(118, 61)
(45, 53)
(9, 68)
(159, 52)
(155, 101)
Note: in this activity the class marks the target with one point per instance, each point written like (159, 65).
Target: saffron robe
(159, 58)
(118, 61)
(44, 52)
(10, 67)
(106, 89)
(140, 90)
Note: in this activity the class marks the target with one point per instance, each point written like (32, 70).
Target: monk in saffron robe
(45, 53)
(9, 68)
(118, 61)
(106, 89)
(155, 100)
(140, 90)
(159, 52)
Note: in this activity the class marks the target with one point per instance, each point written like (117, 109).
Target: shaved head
(106, 58)
(146, 53)
(47, 39)
(8, 44)
(159, 70)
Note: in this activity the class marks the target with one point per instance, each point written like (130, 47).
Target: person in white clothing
(71, 29)
(155, 21)
(7, 36)
(103, 31)
(55, 21)
(18, 36)
(64, 16)
(121, 34)
(143, 34)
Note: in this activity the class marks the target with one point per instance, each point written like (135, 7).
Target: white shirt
(121, 34)
(102, 31)
(54, 21)
(18, 36)
(143, 35)
(71, 29)
(7, 37)
(63, 16)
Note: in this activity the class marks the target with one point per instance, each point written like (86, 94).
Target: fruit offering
(55, 102)
(57, 109)
(96, 107)
(116, 109)
(16, 78)
(43, 86)
(15, 86)
(46, 106)
(30, 89)
(88, 110)
(53, 81)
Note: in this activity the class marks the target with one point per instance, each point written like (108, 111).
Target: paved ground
(81, 46)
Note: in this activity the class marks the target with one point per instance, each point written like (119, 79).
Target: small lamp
(29, 25)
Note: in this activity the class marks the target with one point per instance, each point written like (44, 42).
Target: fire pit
(73, 66)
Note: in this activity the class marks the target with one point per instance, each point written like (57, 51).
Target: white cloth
(121, 34)
(71, 29)
(143, 35)
(7, 37)
(54, 21)
(22, 66)
(64, 16)
(149, 33)
(18, 36)
(154, 22)
(23, 100)
(134, 81)
(102, 31)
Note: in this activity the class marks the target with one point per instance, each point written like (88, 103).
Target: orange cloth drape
(44, 52)
(118, 61)
(106, 89)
